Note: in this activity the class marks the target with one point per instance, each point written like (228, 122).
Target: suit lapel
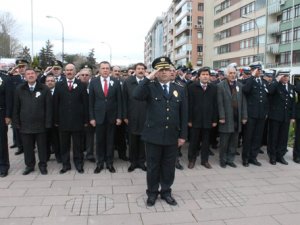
(99, 87)
(227, 88)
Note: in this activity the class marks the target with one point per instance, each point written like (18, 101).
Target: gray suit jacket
(225, 108)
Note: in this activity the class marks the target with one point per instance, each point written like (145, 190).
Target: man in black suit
(105, 104)
(282, 113)
(165, 128)
(71, 116)
(17, 77)
(33, 115)
(296, 151)
(203, 115)
(256, 92)
(134, 117)
(6, 101)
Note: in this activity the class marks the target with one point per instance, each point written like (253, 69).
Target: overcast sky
(123, 24)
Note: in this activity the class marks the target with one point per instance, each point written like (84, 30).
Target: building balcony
(274, 7)
(181, 55)
(182, 28)
(274, 28)
(273, 48)
(182, 41)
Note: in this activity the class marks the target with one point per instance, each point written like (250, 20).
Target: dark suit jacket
(203, 108)
(225, 106)
(6, 96)
(297, 89)
(282, 103)
(70, 107)
(32, 110)
(257, 98)
(134, 110)
(102, 107)
(166, 119)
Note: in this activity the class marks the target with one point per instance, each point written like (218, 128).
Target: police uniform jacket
(6, 97)
(202, 107)
(101, 107)
(70, 106)
(32, 110)
(297, 89)
(134, 110)
(166, 119)
(282, 102)
(257, 98)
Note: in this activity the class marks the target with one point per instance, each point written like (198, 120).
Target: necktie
(286, 87)
(204, 86)
(165, 90)
(31, 88)
(105, 87)
(258, 81)
(70, 85)
(56, 79)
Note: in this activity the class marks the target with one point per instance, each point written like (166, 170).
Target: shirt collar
(107, 78)
(32, 85)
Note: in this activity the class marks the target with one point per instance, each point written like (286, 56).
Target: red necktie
(105, 87)
(70, 85)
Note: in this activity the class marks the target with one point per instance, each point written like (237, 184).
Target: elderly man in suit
(71, 116)
(165, 128)
(33, 115)
(232, 108)
(203, 115)
(134, 117)
(105, 104)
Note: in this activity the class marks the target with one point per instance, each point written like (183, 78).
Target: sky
(98, 24)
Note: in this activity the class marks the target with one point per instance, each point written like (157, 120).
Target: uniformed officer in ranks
(6, 101)
(56, 70)
(256, 91)
(282, 113)
(296, 151)
(17, 77)
(165, 128)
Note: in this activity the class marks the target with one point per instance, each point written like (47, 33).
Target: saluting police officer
(282, 112)
(6, 99)
(165, 128)
(256, 91)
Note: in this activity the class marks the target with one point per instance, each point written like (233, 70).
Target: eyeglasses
(84, 75)
(50, 80)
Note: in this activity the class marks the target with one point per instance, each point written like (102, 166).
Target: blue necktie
(165, 90)
(31, 89)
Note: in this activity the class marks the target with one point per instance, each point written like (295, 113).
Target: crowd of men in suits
(155, 113)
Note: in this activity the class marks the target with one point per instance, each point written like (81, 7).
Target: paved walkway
(267, 195)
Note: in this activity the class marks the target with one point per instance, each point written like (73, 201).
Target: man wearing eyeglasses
(256, 92)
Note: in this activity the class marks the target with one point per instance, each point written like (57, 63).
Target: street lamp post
(245, 17)
(62, 36)
(110, 52)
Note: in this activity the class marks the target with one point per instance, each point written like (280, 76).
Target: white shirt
(102, 82)
(138, 79)
(32, 86)
(168, 86)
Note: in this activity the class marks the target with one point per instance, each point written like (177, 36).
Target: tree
(46, 55)
(25, 54)
(91, 60)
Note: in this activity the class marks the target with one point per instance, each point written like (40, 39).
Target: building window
(247, 43)
(286, 36)
(200, 20)
(200, 7)
(224, 5)
(223, 49)
(297, 34)
(244, 61)
(247, 26)
(200, 35)
(285, 57)
(297, 10)
(286, 14)
(199, 48)
(247, 9)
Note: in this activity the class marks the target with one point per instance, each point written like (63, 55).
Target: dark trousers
(197, 135)
(89, 141)
(29, 141)
(120, 140)
(228, 146)
(296, 152)
(105, 134)
(160, 168)
(4, 158)
(18, 138)
(136, 150)
(278, 138)
(252, 138)
(65, 146)
(53, 143)
(213, 136)
(264, 140)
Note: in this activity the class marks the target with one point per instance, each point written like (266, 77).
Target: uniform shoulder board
(179, 84)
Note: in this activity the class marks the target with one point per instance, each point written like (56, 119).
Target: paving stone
(5, 184)
(16, 221)
(217, 214)
(31, 184)
(91, 190)
(262, 210)
(112, 182)
(129, 189)
(72, 183)
(12, 192)
(32, 211)
(288, 219)
(20, 201)
(47, 191)
(266, 220)
(133, 219)
(71, 220)
(5, 212)
(167, 218)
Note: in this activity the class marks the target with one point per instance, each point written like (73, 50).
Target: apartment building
(283, 33)
(238, 33)
(183, 26)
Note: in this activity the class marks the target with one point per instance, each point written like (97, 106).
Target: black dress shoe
(272, 161)
(64, 170)
(178, 166)
(131, 168)
(98, 169)
(169, 199)
(44, 171)
(231, 164)
(151, 200)
(13, 146)
(245, 163)
(111, 168)
(254, 162)
(206, 165)
(143, 167)
(296, 160)
(282, 161)
(3, 173)
(80, 170)
(28, 170)
(20, 151)
(223, 164)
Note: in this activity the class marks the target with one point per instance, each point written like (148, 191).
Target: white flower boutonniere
(74, 85)
(37, 94)
(1, 81)
(237, 89)
(111, 83)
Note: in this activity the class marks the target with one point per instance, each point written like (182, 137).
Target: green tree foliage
(25, 54)
(46, 55)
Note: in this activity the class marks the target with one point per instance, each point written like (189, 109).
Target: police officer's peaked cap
(285, 72)
(21, 62)
(161, 63)
(57, 63)
(256, 65)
